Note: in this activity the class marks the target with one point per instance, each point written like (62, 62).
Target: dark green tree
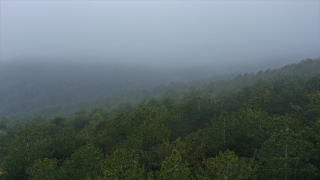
(228, 166)
(174, 168)
(84, 163)
(286, 156)
(123, 164)
(45, 169)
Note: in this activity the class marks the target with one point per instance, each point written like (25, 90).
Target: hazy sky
(185, 32)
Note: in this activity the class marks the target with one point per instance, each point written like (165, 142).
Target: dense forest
(261, 125)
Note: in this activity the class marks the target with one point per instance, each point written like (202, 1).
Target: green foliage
(286, 155)
(78, 122)
(247, 131)
(58, 120)
(64, 144)
(123, 164)
(188, 150)
(174, 168)
(24, 148)
(149, 129)
(85, 162)
(228, 166)
(45, 169)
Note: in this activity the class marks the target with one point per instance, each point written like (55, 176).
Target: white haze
(167, 33)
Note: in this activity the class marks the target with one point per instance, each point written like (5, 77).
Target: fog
(162, 33)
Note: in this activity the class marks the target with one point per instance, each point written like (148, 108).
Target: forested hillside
(263, 125)
(45, 87)
(49, 86)
(28, 85)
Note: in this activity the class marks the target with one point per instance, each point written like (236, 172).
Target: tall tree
(228, 166)
(123, 164)
(45, 169)
(85, 162)
(285, 156)
(174, 168)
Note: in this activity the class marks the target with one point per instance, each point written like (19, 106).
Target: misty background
(179, 33)
(55, 53)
